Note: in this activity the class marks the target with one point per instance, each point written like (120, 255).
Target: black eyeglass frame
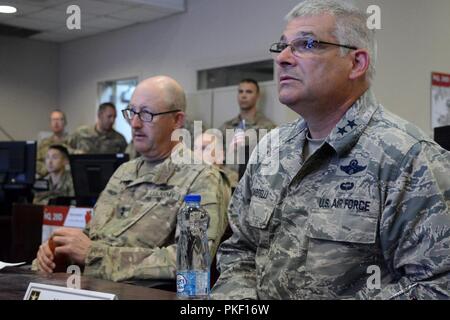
(310, 41)
(124, 114)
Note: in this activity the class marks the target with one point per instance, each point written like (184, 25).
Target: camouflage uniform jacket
(89, 140)
(376, 193)
(133, 230)
(43, 146)
(260, 122)
(64, 188)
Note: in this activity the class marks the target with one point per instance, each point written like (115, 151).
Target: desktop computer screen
(17, 172)
(442, 136)
(91, 173)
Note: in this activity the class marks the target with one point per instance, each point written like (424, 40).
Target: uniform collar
(98, 133)
(155, 172)
(258, 117)
(349, 129)
(343, 137)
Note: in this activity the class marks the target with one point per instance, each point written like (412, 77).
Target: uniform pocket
(103, 213)
(126, 224)
(340, 225)
(260, 213)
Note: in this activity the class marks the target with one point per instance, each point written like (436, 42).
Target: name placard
(39, 291)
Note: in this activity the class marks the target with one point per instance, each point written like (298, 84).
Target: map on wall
(440, 100)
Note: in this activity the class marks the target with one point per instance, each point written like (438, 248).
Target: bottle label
(192, 283)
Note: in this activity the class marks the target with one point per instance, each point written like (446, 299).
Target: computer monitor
(91, 173)
(17, 172)
(442, 136)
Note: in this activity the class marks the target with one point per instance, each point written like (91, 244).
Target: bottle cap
(192, 198)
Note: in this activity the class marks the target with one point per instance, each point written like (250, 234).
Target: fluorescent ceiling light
(7, 9)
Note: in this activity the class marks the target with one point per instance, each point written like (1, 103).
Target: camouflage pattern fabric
(377, 193)
(64, 188)
(43, 146)
(260, 122)
(88, 140)
(133, 230)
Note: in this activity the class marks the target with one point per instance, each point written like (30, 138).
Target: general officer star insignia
(342, 131)
(351, 124)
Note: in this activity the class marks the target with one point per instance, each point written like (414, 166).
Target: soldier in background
(132, 234)
(358, 207)
(249, 117)
(101, 137)
(58, 123)
(59, 180)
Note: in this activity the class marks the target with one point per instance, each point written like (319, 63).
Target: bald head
(164, 98)
(170, 92)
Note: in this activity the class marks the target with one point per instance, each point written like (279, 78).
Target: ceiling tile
(106, 23)
(40, 3)
(138, 14)
(95, 7)
(22, 9)
(96, 15)
(58, 16)
(31, 23)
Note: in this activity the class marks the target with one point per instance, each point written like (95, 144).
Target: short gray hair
(351, 25)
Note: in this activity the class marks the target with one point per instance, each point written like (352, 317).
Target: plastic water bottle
(193, 258)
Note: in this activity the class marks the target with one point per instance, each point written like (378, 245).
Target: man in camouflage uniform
(359, 205)
(58, 178)
(100, 138)
(57, 124)
(249, 118)
(133, 232)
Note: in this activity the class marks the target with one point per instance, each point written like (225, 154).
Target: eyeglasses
(144, 115)
(301, 46)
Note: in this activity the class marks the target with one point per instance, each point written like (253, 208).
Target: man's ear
(361, 61)
(179, 119)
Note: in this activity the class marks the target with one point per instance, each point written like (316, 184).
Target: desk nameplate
(39, 291)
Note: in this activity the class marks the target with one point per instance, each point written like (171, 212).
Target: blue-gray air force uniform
(374, 197)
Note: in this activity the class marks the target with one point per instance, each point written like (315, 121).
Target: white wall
(28, 86)
(413, 42)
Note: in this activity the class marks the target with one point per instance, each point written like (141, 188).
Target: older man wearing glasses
(359, 208)
(132, 234)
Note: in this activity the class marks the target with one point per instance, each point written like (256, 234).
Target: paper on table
(5, 264)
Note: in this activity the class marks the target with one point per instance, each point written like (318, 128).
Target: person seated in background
(208, 147)
(101, 137)
(132, 235)
(58, 123)
(58, 180)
